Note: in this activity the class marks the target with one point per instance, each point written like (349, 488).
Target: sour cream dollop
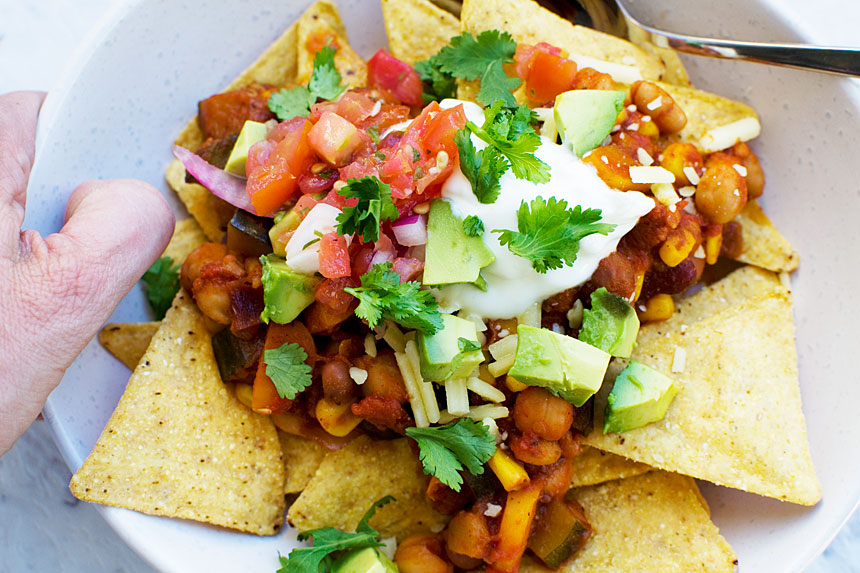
(512, 284)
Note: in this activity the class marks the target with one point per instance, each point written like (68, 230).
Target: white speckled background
(42, 527)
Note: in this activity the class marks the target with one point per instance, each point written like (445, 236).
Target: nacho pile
(181, 444)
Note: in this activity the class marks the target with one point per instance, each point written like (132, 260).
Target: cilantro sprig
(473, 226)
(162, 284)
(482, 57)
(324, 84)
(328, 541)
(444, 450)
(511, 143)
(373, 207)
(382, 296)
(287, 369)
(438, 85)
(549, 233)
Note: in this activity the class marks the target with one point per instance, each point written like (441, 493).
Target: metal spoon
(612, 17)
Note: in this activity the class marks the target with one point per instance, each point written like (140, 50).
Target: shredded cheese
(729, 134)
(679, 360)
(643, 157)
(484, 390)
(650, 174)
(359, 375)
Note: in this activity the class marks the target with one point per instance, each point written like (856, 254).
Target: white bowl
(120, 105)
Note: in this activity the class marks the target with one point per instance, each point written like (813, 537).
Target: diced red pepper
(334, 257)
(548, 76)
(395, 76)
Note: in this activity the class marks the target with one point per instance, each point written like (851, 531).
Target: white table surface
(42, 527)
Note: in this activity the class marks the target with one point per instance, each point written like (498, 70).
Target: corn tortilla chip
(210, 212)
(302, 458)
(736, 420)
(417, 29)
(320, 24)
(593, 467)
(179, 444)
(764, 245)
(651, 522)
(707, 112)
(187, 236)
(128, 341)
(349, 480)
(528, 22)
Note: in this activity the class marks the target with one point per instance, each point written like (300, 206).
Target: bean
(616, 274)
(721, 193)
(422, 554)
(338, 386)
(538, 411)
(529, 448)
(666, 114)
(468, 534)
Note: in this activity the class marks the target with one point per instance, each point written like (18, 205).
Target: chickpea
(755, 174)
(532, 450)
(468, 535)
(338, 386)
(653, 100)
(722, 193)
(199, 258)
(538, 411)
(422, 554)
(678, 156)
(591, 79)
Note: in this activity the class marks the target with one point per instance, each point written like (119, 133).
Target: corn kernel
(514, 385)
(336, 419)
(712, 248)
(510, 472)
(244, 392)
(649, 129)
(659, 307)
(677, 247)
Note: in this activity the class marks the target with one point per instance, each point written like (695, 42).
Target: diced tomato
(335, 199)
(333, 257)
(258, 154)
(361, 260)
(318, 182)
(273, 182)
(334, 138)
(399, 78)
(304, 205)
(548, 76)
(439, 130)
(408, 268)
(526, 52)
(331, 293)
(265, 398)
(225, 113)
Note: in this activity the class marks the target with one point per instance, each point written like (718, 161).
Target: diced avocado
(611, 324)
(285, 293)
(641, 395)
(563, 365)
(367, 560)
(252, 132)
(453, 352)
(290, 221)
(451, 256)
(585, 117)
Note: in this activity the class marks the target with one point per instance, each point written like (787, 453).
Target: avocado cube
(252, 132)
(451, 256)
(565, 366)
(640, 396)
(585, 117)
(441, 354)
(285, 293)
(611, 324)
(367, 560)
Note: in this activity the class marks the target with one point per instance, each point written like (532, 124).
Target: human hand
(56, 291)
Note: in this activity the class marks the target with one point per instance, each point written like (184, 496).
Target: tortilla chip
(706, 112)
(651, 522)
(528, 22)
(417, 29)
(128, 341)
(675, 72)
(736, 420)
(211, 213)
(187, 236)
(593, 467)
(302, 458)
(352, 478)
(180, 445)
(764, 245)
(320, 24)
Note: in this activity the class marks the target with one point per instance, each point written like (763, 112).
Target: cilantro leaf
(382, 295)
(472, 58)
(286, 367)
(473, 226)
(162, 284)
(327, 541)
(444, 450)
(466, 345)
(549, 232)
(373, 207)
(438, 85)
(482, 168)
(324, 83)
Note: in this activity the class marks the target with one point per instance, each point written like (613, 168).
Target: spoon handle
(844, 61)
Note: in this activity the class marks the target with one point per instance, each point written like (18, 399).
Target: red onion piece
(219, 182)
(383, 251)
(410, 231)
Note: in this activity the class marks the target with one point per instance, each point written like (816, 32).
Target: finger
(18, 114)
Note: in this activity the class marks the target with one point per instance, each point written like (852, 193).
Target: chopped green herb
(473, 226)
(373, 132)
(327, 541)
(438, 85)
(287, 369)
(466, 345)
(382, 295)
(549, 233)
(162, 284)
(471, 58)
(324, 83)
(373, 207)
(444, 450)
